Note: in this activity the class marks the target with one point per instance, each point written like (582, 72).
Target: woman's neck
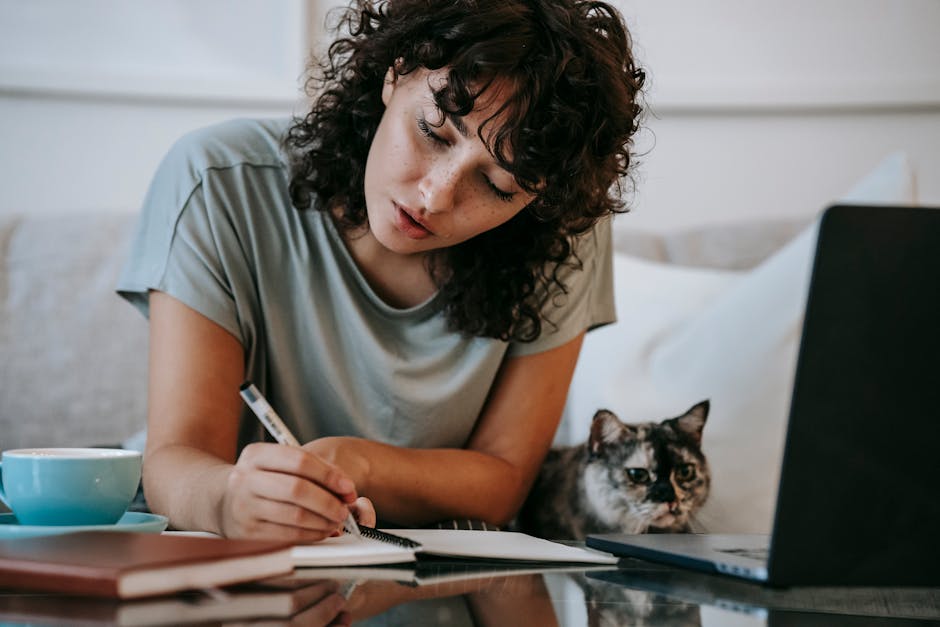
(401, 281)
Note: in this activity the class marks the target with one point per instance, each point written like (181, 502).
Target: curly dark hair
(566, 134)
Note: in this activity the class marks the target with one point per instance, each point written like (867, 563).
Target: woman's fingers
(278, 491)
(263, 529)
(293, 516)
(296, 491)
(364, 511)
(322, 605)
(301, 463)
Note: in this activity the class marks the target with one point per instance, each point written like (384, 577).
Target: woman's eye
(638, 475)
(685, 472)
(428, 133)
(504, 196)
(433, 137)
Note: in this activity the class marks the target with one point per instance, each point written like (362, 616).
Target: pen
(276, 427)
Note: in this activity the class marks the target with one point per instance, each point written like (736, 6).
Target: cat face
(647, 476)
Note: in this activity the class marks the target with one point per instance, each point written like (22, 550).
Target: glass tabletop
(457, 594)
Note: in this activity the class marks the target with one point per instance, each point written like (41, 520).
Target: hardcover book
(130, 565)
(236, 604)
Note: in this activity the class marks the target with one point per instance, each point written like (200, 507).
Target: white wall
(776, 109)
(92, 94)
(760, 110)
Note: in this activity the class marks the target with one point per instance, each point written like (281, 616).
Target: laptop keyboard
(757, 554)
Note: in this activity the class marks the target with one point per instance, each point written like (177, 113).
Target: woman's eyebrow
(461, 127)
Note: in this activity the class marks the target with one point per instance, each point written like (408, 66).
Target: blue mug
(69, 486)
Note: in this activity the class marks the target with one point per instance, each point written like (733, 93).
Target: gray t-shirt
(218, 233)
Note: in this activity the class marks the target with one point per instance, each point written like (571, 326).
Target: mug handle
(3, 496)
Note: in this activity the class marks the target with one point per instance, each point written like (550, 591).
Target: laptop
(734, 599)
(859, 495)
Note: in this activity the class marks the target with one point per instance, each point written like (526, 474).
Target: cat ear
(692, 422)
(606, 428)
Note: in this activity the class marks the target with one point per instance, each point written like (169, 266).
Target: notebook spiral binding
(383, 536)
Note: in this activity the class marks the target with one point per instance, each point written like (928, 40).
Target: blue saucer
(130, 521)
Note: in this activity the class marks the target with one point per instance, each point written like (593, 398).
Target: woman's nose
(438, 187)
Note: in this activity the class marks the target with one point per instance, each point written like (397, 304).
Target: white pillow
(891, 182)
(653, 300)
(740, 352)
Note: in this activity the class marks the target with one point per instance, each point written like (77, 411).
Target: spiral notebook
(409, 545)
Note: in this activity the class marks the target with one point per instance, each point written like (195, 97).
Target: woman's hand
(278, 491)
(322, 604)
(343, 453)
(346, 453)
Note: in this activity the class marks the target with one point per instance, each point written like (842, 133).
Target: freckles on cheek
(479, 216)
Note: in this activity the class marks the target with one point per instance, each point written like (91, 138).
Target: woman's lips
(409, 225)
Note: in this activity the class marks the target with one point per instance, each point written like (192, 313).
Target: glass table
(453, 593)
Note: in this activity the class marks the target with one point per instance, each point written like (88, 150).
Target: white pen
(276, 427)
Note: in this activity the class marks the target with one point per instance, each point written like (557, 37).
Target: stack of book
(133, 565)
(128, 578)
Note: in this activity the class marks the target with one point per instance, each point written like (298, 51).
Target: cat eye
(685, 472)
(638, 475)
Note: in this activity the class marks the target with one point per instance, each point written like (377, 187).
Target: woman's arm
(191, 474)
(489, 479)
(190, 468)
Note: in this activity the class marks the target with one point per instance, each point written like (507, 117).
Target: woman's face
(429, 186)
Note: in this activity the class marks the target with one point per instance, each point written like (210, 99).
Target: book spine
(58, 578)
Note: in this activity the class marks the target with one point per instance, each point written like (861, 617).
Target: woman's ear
(388, 85)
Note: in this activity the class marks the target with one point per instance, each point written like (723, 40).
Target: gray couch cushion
(73, 353)
(734, 246)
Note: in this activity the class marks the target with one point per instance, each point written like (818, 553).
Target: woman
(406, 273)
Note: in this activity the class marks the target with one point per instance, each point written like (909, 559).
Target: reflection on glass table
(456, 594)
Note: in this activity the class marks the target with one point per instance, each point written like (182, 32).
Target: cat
(634, 478)
(611, 604)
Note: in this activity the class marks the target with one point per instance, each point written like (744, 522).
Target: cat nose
(662, 492)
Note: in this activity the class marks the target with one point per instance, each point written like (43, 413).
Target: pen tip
(244, 386)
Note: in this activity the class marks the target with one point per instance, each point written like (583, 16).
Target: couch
(707, 312)
(74, 354)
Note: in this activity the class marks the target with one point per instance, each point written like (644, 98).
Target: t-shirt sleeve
(588, 302)
(186, 245)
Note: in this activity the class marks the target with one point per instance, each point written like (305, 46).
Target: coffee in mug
(69, 486)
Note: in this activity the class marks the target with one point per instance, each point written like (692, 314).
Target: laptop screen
(860, 483)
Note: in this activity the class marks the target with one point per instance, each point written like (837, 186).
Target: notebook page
(501, 545)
